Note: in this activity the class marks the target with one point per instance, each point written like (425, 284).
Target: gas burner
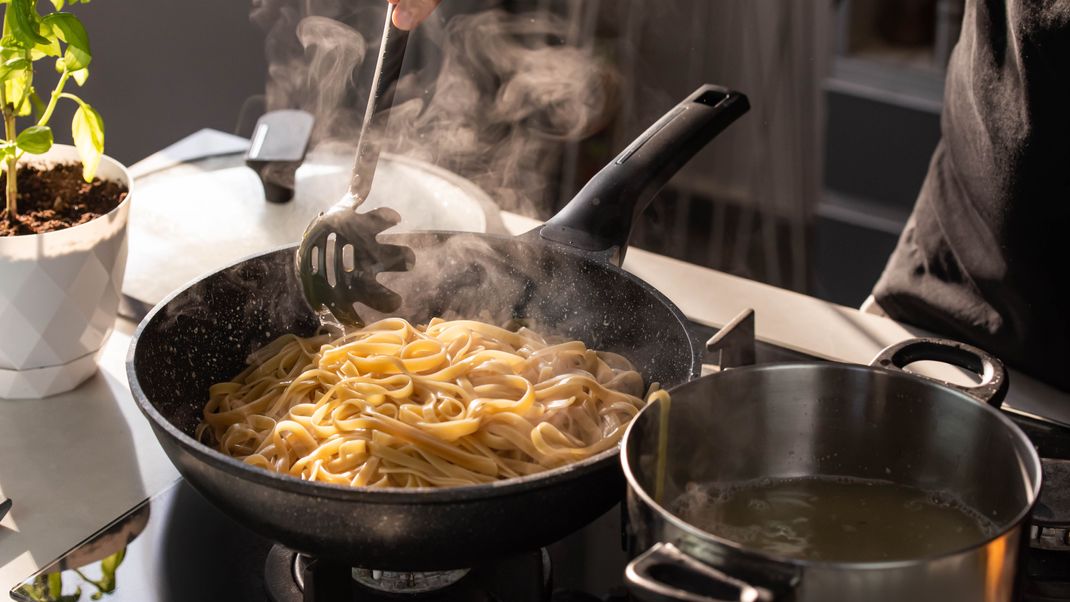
(1055, 539)
(295, 577)
(392, 582)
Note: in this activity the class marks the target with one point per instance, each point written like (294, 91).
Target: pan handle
(994, 382)
(644, 574)
(599, 218)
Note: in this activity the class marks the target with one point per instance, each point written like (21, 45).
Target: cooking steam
(333, 49)
(495, 106)
(500, 95)
(493, 98)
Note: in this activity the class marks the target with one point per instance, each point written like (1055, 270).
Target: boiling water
(834, 519)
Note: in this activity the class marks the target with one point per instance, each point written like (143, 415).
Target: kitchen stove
(176, 546)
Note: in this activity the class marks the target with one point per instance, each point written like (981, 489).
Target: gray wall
(163, 69)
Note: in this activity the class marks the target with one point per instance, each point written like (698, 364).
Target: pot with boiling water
(826, 481)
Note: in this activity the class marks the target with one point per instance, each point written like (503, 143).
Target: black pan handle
(662, 573)
(994, 382)
(599, 218)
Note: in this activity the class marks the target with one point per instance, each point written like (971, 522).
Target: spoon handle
(381, 96)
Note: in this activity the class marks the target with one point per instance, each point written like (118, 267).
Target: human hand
(410, 13)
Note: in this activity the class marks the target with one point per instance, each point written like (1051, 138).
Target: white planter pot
(59, 294)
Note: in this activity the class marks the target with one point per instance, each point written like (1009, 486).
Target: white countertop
(73, 462)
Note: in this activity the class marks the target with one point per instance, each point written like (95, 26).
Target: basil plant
(30, 37)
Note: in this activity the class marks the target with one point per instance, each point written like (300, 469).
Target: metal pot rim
(397, 495)
(688, 528)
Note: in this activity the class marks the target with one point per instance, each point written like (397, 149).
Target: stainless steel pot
(875, 422)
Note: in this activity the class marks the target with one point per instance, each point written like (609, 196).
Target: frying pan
(562, 278)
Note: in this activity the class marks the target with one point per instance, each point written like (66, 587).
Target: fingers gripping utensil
(339, 257)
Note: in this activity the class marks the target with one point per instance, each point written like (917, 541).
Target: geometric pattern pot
(59, 295)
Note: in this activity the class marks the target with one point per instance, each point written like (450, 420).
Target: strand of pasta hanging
(394, 405)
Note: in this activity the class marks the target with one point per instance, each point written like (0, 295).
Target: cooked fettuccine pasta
(394, 405)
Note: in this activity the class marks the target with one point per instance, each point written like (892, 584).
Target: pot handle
(644, 574)
(599, 218)
(994, 382)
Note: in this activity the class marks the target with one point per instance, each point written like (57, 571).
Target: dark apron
(986, 253)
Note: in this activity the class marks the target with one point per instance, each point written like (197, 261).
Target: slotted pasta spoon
(340, 257)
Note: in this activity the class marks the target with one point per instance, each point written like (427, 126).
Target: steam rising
(494, 102)
(493, 99)
(333, 49)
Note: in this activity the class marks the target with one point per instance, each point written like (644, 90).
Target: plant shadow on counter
(70, 465)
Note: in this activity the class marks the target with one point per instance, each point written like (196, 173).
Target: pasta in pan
(393, 405)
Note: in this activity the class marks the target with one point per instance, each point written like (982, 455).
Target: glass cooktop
(176, 547)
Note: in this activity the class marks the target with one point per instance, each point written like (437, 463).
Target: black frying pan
(562, 279)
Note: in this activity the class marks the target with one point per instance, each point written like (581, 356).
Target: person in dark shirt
(983, 256)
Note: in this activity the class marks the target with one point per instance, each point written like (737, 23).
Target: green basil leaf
(80, 75)
(52, 48)
(55, 585)
(24, 23)
(40, 583)
(16, 85)
(108, 566)
(87, 127)
(7, 150)
(58, 4)
(68, 28)
(24, 110)
(35, 139)
(8, 50)
(37, 104)
(13, 64)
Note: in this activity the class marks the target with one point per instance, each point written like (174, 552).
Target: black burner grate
(293, 577)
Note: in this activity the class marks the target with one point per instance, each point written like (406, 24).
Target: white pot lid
(195, 218)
